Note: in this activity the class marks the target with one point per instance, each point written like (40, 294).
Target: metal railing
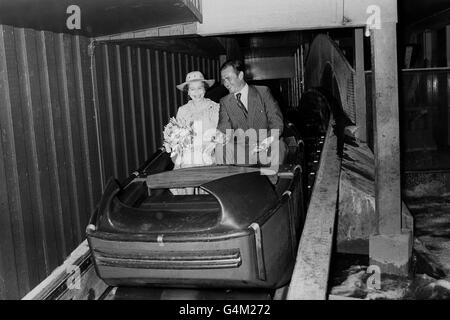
(424, 106)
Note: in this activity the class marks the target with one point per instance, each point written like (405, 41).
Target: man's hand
(264, 145)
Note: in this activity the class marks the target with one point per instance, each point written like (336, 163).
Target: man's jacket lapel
(253, 105)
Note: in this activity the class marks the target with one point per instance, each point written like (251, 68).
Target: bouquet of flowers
(178, 135)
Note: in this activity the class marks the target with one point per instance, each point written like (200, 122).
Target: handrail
(312, 267)
(144, 166)
(430, 69)
(193, 176)
(74, 279)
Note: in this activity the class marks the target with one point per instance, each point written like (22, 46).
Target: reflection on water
(430, 278)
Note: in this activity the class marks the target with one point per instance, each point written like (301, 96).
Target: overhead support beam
(250, 15)
(389, 248)
(435, 21)
(99, 17)
(360, 85)
(164, 31)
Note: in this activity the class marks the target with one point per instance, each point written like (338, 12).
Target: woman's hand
(208, 153)
(264, 145)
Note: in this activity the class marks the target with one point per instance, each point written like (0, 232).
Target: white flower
(178, 135)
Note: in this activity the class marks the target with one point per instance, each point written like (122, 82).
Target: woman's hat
(195, 76)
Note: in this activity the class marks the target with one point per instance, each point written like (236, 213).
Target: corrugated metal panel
(49, 155)
(137, 95)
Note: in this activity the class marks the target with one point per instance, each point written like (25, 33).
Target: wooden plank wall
(136, 88)
(54, 154)
(49, 159)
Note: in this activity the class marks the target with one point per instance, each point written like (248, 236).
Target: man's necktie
(241, 105)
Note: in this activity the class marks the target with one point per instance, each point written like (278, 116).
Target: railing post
(360, 85)
(390, 248)
(447, 37)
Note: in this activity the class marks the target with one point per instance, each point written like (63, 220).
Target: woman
(203, 115)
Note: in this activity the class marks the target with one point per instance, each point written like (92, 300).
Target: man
(248, 111)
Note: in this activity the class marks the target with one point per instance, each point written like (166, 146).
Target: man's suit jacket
(263, 112)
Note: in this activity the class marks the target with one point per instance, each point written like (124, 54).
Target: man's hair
(237, 65)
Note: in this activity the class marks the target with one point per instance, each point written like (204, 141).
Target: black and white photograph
(225, 154)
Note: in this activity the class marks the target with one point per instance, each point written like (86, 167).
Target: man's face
(232, 81)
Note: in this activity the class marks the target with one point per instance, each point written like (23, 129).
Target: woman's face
(196, 90)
